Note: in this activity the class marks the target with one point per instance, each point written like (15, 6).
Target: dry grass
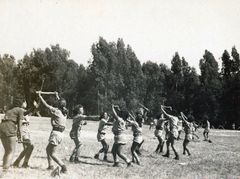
(220, 159)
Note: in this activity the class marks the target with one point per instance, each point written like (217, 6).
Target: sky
(155, 29)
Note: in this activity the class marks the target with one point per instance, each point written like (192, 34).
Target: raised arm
(184, 118)
(164, 112)
(43, 101)
(114, 112)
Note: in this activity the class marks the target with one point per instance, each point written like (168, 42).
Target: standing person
(26, 141)
(11, 129)
(172, 134)
(180, 128)
(118, 130)
(206, 130)
(188, 129)
(141, 118)
(27, 145)
(159, 133)
(58, 121)
(78, 122)
(137, 137)
(102, 134)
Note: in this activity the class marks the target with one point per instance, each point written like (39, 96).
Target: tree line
(115, 75)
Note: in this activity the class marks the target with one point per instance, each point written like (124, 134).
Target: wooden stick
(143, 106)
(42, 92)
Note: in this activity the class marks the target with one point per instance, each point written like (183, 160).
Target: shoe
(71, 159)
(116, 164)
(16, 164)
(64, 169)
(50, 167)
(166, 155)
(96, 156)
(177, 157)
(25, 165)
(138, 163)
(129, 164)
(77, 160)
(184, 153)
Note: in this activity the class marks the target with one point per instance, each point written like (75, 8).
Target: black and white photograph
(120, 89)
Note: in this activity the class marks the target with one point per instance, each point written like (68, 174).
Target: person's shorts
(8, 129)
(206, 131)
(138, 139)
(173, 134)
(120, 139)
(55, 137)
(188, 137)
(101, 136)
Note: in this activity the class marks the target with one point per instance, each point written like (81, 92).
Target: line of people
(16, 126)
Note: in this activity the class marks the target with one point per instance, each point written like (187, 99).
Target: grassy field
(220, 159)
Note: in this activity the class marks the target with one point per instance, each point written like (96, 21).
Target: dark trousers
(26, 153)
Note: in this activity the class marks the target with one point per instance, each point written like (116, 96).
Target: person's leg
(134, 154)
(179, 133)
(106, 147)
(28, 154)
(162, 145)
(48, 150)
(187, 142)
(103, 149)
(121, 155)
(173, 148)
(9, 144)
(138, 148)
(159, 144)
(167, 153)
(52, 153)
(204, 135)
(114, 152)
(20, 157)
(77, 151)
(184, 147)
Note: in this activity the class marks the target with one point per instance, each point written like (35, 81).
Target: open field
(220, 159)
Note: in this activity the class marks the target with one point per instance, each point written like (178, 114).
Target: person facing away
(11, 129)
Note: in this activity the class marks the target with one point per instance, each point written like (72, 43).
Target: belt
(58, 128)
(8, 121)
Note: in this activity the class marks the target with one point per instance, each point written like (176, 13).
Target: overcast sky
(155, 29)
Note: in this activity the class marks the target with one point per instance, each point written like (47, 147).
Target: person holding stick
(58, 121)
(79, 119)
(118, 130)
(159, 133)
(188, 129)
(11, 129)
(103, 123)
(173, 131)
(137, 137)
(26, 141)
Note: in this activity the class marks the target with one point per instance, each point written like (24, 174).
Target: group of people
(15, 127)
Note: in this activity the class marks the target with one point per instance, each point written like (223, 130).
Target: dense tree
(208, 98)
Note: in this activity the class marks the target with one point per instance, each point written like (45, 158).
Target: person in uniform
(118, 130)
(173, 132)
(101, 135)
(58, 122)
(11, 129)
